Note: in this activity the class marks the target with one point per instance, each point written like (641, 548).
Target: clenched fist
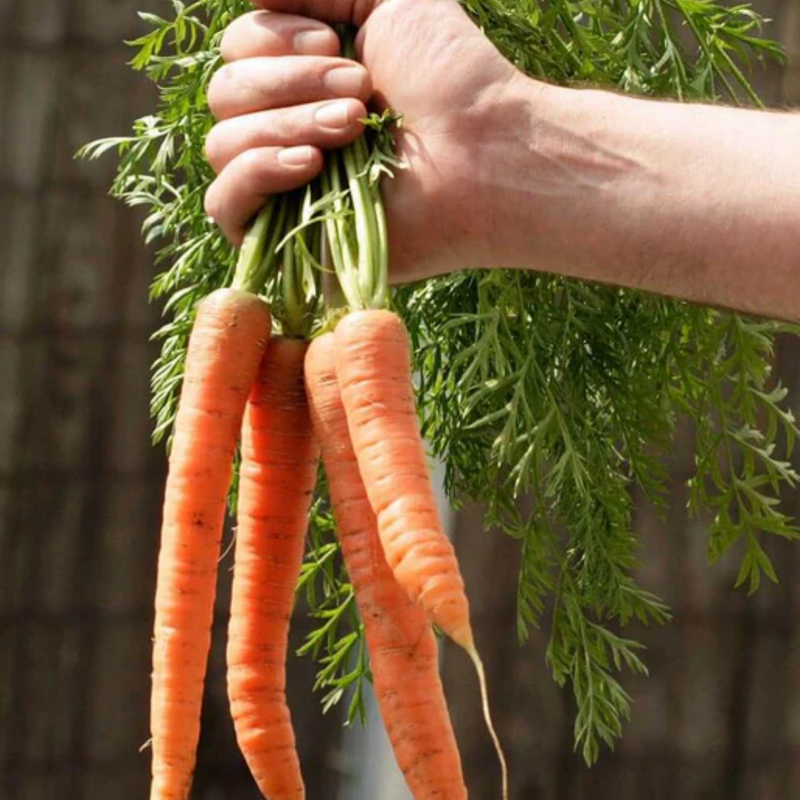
(285, 95)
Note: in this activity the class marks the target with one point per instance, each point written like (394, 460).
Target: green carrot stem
(365, 229)
(332, 250)
(270, 261)
(248, 275)
(293, 279)
(355, 228)
(378, 239)
(339, 239)
(382, 249)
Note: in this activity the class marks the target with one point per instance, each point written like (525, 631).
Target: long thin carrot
(373, 367)
(229, 335)
(276, 484)
(402, 646)
(374, 372)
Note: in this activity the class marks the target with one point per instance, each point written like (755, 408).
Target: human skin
(690, 201)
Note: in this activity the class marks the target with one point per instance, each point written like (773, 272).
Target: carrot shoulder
(276, 484)
(402, 646)
(226, 345)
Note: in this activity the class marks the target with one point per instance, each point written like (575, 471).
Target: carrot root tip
(487, 715)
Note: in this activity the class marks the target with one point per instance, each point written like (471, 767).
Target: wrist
(547, 175)
(499, 177)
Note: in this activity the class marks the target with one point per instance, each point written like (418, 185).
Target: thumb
(352, 11)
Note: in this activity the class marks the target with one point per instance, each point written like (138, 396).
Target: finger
(327, 125)
(241, 189)
(261, 33)
(258, 84)
(355, 11)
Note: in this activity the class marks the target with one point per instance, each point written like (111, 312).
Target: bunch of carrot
(347, 396)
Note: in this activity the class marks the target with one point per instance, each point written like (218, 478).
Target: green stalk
(269, 261)
(382, 257)
(295, 307)
(339, 239)
(356, 231)
(355, 163)
(381, 244)
(293, 311)
(249, 275)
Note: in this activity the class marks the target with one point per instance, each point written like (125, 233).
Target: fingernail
(346, 81)
(333, 115)
(296, 156)
(311, 43)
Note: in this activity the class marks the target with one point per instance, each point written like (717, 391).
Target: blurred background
(80, 489)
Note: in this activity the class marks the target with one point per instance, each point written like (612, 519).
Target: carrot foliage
(532, 387)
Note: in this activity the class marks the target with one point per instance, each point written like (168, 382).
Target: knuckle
(242, 175)
(214, 148)
(211, 202)
(255, 167)
(283, 125)
(227, 47)
(281, 76)
(213, 93)
(241, 33)
(220, 86)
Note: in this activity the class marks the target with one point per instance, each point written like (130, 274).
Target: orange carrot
(276, 484)
(373, 367)
(374, 372)
(226, 345)
(402, 646)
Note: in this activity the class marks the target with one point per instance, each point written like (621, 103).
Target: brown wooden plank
(75, 262)
(527, 708)
(95, 21)
(65, 397)
(36, 25)
(129, 444)
(10, 409)
(80, 264)
(125, 781)
(18, 276)
(117, 719)
(124, 580)
(789, 30)
(33, 80)
(90, 108)
(36, 785)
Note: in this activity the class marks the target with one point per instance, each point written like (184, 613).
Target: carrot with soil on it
(230, 332)
(402, 646)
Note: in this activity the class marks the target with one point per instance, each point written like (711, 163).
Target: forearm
(696, 202)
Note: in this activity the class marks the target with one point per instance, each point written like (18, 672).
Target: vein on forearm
(696, 202)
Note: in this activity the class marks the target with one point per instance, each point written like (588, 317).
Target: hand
(507, 171)
(285, 95)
